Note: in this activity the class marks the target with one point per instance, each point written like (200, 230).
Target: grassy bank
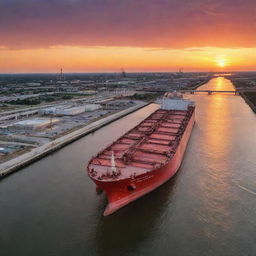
(250, 99)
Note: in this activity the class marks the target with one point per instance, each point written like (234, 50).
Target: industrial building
(92, 107)
(8, 149)
(70, 111)
(33, 124)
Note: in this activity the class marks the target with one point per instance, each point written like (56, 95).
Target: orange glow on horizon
(111, 59)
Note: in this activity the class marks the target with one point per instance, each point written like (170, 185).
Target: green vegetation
(29, 101)
(251, 96)
(43, 98)
(67, 97)
(145, 96)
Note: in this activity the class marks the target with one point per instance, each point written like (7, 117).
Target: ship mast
(113, 163)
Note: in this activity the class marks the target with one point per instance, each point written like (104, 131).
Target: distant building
(48, 111)
(70, 111)
(4, 151)
(62, 82)
(8, 149)
(33, 84)
(102, 88)
(91, 92)
(92, 107)
(75, 82)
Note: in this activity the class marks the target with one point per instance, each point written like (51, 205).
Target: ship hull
(117, 193)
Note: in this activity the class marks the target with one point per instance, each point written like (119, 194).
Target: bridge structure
(236, 91)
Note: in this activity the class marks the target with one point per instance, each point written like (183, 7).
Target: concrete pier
(23, 160)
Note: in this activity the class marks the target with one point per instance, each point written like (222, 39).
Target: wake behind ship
(146, 156)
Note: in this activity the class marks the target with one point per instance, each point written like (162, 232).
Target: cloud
(195, 49)
(3, 48)
(26, 24)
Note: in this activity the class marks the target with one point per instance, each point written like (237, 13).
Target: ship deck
(148, 146)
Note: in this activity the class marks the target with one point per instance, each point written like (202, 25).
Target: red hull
(118, 192)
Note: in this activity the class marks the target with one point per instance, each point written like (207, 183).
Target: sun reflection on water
(217, 140)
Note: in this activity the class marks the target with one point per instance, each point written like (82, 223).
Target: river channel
(209, 208)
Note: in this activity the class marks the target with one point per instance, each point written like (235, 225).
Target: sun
(221, 62)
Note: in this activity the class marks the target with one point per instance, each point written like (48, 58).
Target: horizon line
(129, 72)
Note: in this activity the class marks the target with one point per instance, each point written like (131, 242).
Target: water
(209, 208)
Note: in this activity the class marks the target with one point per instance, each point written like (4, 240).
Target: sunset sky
(137, 35)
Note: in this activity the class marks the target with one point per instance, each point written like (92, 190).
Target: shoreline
(248, 102)
(199, 84)
(243, 94)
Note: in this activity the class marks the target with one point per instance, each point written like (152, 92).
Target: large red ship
(146, 156)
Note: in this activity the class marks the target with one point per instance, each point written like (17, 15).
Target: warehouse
(33, 124)
(92, 107)
(70, 111)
